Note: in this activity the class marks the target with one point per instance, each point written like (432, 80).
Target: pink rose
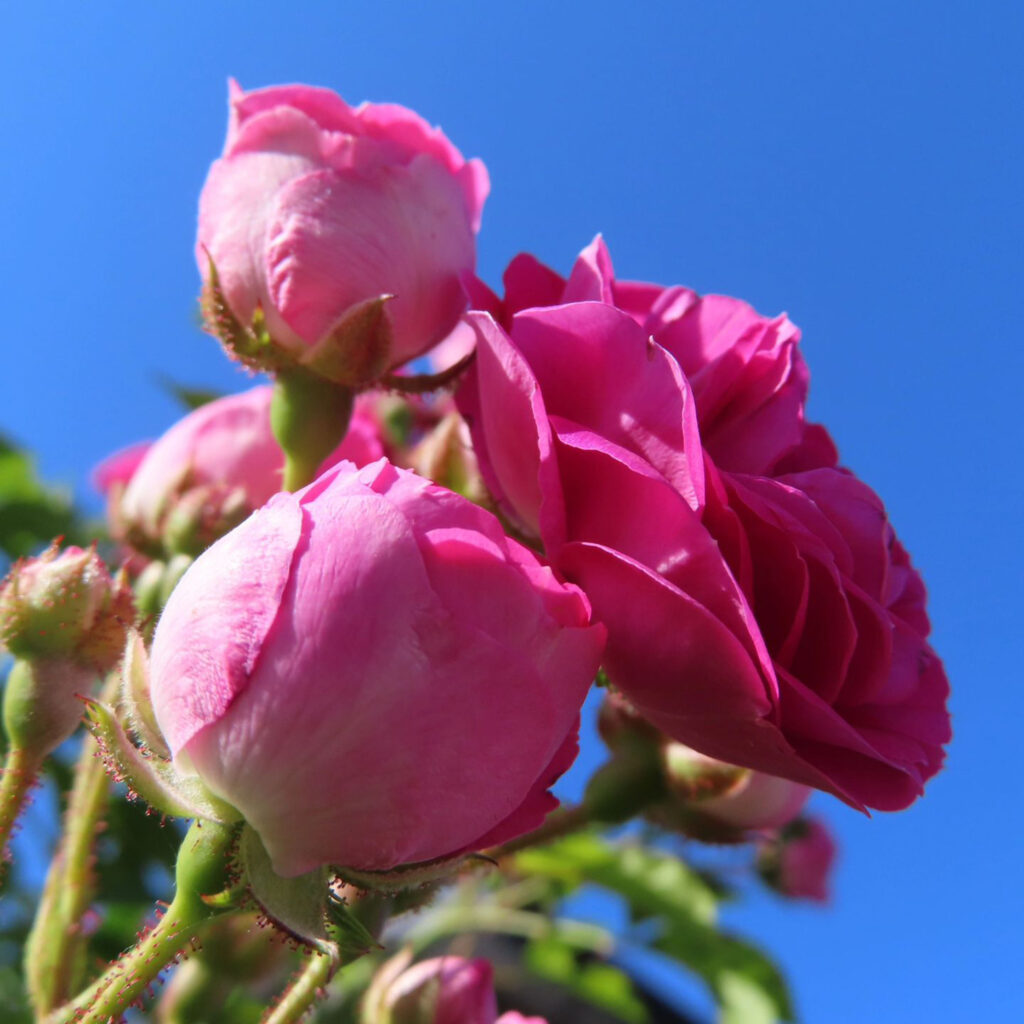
(221, 457)
(373, 674)
(799, 862)
(748, 377)
(317, 207)
(774, 624)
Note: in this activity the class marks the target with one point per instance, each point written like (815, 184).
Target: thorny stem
(53, 950)
(19, 775)
(305, 989)
(201, 870)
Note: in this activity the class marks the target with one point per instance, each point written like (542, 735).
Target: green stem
(53, 953)
(19, 775)
(304, 990)
(309, 416)
(201, 871)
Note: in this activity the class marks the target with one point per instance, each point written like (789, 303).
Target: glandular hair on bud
(64, 605)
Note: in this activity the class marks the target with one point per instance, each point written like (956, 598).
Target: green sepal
(403, 878)
(348, 933)
(357, 348)
(251, 345)
(299, 905)
(135, 701)
(150, 778)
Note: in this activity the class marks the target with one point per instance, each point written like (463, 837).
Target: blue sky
(855, 165)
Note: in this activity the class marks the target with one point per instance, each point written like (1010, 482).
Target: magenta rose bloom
(774, 624)
(219, 459)
(317, 207)
(373, 674)
(748, 377)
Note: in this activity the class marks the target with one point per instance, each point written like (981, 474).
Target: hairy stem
(306, 987)
(19, 775)
(201, 872)
(54, 951)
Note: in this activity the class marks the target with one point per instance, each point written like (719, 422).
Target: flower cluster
(372, 596)
(649, 444)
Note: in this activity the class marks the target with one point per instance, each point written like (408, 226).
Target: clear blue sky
(858, 166)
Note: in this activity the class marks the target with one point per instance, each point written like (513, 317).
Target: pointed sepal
(150, 778)
(136, 705)
(252, 345)
(298, 905)
(403, 878)
(357, 349)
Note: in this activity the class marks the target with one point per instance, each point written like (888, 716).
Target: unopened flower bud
(619, 724)
(65, 605)
(798, 862)
(201, 515)
(717, 802)
(65, 620)
(696, 778)
(444, 990)
(446, 456)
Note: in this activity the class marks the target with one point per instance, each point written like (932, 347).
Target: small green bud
(65, 605)
(201, 515)
(446, 456)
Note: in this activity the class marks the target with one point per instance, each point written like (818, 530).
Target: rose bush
(772, 623)
(219, 459)
(373, 674)
(316, 208)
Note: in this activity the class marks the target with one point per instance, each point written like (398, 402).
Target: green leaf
(30, 514)
(599, 984)
(659, 886)
(654, 884)
(190, 397)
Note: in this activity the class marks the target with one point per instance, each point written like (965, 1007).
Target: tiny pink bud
(444, 990)
(798, 863)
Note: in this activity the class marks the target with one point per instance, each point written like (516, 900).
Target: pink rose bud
(756, 801)
(65, 620)
(342, 232)
(65, 605)
(515, 1017)
(210, 470)
(444, 990)
(373, 674)
(799, 862)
